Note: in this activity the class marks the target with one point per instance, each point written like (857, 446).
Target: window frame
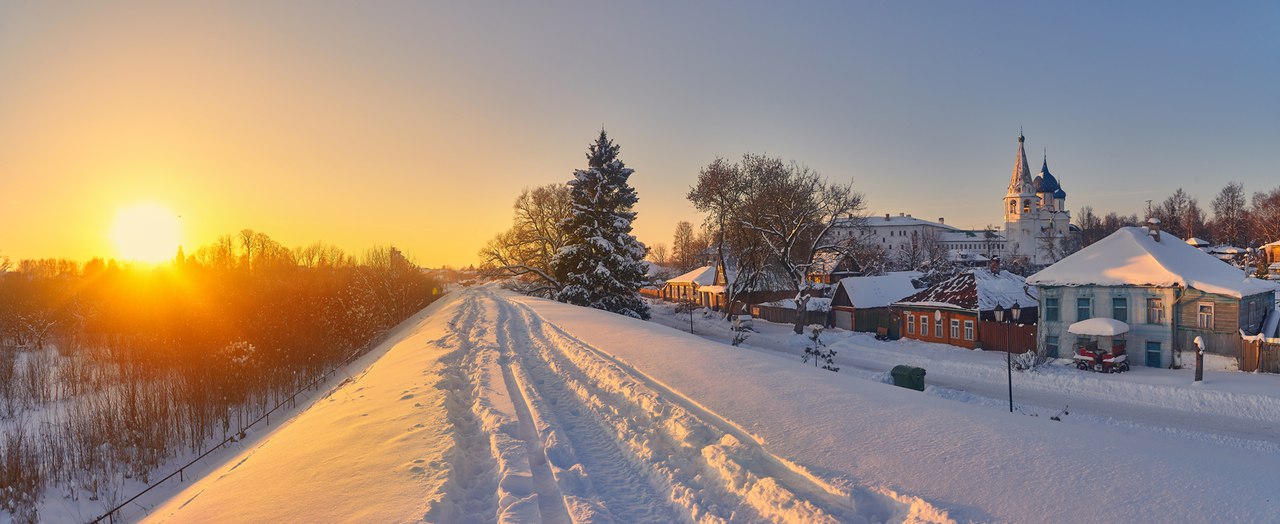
(911, 325)
(1201, 316)
(1087, 308)
(955, 328)
(1125, 308)
(1052, 309)
(968, 330)
(1159, 310)
(924, 325)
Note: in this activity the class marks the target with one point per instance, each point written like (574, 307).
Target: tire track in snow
(592, 468)
(551, 501)
(773, 487)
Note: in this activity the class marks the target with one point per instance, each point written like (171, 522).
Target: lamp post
(1014, 313)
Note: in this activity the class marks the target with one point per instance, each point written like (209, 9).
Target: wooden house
(955, 310)
(1166, 290)
(862, 303)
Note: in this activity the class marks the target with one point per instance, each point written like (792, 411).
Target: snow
(813, 304)
(879, 291)
(498, 407)
(1099, 327)
(1198, 242)
(976, 290)
(1130, 257)
(703, 276)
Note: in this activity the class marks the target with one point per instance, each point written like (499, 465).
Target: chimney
(886, 217)
(901, 214)
(994, 265)
(942, 220)
(1153, 228)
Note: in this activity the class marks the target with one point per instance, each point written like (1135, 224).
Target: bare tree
(1229, 215)
(686, 249)
(791, 208)
(1264, 216)
(525, 251)
(658, 254)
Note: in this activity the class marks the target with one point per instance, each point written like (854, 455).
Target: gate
(1260, 355)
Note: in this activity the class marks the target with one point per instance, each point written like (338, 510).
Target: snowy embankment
(502, 407)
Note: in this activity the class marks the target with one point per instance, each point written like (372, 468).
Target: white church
(1036, 222)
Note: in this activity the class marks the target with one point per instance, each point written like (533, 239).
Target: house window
(1120, 309)
(911, 326)
(937, 326)
(968, 330)
(1051, 346)
(1051, 308)
(1204, 315)
(955, 328)
(1155, 310)
(924, 325)
(1084, 308)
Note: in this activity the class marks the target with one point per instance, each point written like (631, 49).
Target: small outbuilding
(862, 303)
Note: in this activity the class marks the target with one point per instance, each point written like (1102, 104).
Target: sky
(416, 124)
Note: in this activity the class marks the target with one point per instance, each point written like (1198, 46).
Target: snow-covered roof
(976, 290)
(703, 276)
(878, 291)
(1276, 243)
(1198, 242)
(900, 220)
(969, 235)
(1099, 327)
(1130, 257)
(1226, 250)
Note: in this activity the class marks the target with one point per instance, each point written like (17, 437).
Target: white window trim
(955, 328)
(1200, 320)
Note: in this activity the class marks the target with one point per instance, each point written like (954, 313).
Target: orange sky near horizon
(186, 108)
(416, 124)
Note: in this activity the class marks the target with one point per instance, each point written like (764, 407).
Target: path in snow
(601, 441)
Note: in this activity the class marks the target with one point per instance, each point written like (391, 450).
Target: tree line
(1235, 222)
(108, 370)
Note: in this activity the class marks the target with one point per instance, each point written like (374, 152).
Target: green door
(1153, 354)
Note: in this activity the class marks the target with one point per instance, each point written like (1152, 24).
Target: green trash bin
(908, 377)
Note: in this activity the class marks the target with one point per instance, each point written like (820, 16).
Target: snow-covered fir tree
(601, 265)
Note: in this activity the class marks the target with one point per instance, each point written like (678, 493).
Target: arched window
(1026, 205)
(1013, 206)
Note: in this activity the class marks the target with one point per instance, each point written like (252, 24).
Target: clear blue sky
(418, 123)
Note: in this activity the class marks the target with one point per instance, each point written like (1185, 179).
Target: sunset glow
(146, 233)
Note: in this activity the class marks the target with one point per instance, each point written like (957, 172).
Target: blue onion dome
(1060, 194)
(1049, 183)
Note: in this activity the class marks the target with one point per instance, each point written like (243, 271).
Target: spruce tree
(601, 265)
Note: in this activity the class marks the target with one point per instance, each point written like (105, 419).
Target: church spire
(1021, 171)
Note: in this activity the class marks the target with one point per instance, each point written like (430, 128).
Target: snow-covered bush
(1029, 361)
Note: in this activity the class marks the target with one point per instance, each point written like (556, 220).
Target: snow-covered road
(499, 407)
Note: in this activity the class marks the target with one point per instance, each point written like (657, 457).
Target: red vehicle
(1094, 359)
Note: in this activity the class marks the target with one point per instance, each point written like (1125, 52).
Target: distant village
(1109, 292)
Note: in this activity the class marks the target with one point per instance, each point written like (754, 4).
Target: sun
(146, 233)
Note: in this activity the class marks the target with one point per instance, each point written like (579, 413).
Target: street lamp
(1015, 313)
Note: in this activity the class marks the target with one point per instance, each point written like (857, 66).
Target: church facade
(1036, 219)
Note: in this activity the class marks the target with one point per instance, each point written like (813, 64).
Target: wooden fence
(782, 315)
(1260, 355)
(996, 336)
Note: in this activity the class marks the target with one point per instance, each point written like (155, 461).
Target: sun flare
(146, 233)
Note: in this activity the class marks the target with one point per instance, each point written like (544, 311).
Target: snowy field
(498, 407)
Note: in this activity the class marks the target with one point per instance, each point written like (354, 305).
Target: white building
(1036, 219)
